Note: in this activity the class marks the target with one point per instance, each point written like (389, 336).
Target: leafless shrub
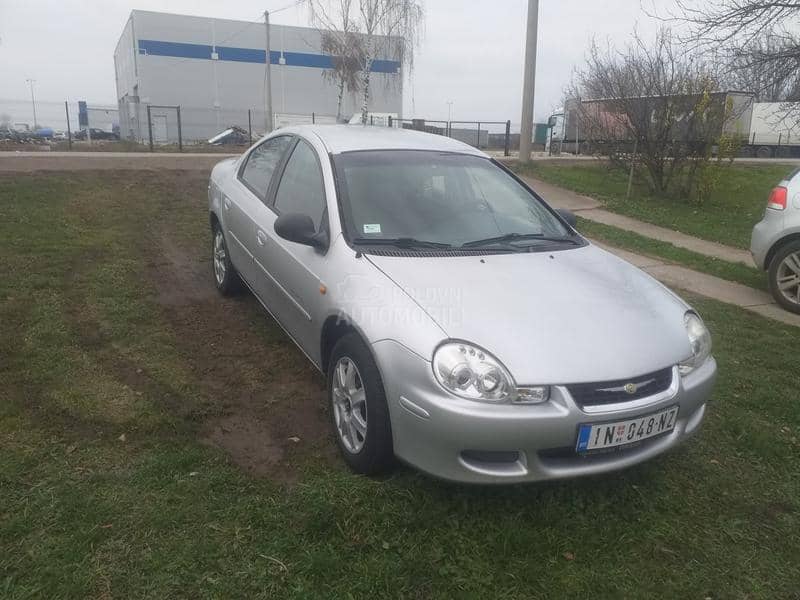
(655, 99)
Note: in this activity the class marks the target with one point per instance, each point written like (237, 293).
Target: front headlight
(699, 340)
(472, 373)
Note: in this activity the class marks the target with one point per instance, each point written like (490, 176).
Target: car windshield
(440, 198)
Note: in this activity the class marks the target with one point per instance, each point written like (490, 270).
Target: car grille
(613, 392)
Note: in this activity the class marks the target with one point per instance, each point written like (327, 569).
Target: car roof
(352, 138)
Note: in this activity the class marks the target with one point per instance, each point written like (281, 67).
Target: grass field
(727, 216)
(145, 451)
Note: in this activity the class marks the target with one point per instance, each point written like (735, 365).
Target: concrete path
(676, 276)
(559, 197)
(589, 208)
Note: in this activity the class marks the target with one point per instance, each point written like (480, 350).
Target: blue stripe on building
(251, 55)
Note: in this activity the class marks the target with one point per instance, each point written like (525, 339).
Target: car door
(244, 204)
(293, 268)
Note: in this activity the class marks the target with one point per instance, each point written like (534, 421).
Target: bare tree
(392, 29)
(347, 56)
(340, 40)
(735, 21)
(656, 99)
(760, 37)
(387, 29)
(754, 68)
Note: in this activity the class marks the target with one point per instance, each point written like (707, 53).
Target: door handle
(227, 204)
(261, 237)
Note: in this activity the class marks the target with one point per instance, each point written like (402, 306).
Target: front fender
(376, 307)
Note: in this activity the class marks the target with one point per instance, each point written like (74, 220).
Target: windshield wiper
(400, 242)
(513, 237)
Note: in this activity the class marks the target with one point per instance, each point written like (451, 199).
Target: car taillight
(777, 198)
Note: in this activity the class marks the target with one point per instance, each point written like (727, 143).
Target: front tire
(784, 277)
(359, 412)
(226, 279)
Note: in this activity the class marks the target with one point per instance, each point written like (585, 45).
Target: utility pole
(529, 82)
(449, 110)
(33, 102)
(268, 120)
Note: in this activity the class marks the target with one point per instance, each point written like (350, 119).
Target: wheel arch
(213, 220)
(333, 329)
(777, 246)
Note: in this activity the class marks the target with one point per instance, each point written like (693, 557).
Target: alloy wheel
(219, 257)
(788, 277)
(349, 405)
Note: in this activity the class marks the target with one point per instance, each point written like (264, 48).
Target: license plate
(621, 433)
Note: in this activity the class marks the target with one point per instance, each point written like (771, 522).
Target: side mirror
(299, 228)
(567, 215)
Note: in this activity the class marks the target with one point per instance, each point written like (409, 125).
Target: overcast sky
(471, 53)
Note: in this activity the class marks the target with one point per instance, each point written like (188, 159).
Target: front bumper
(475, 442)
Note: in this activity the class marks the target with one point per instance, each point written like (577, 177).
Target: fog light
(534, 395)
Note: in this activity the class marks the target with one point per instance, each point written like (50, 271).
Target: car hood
(568, 316)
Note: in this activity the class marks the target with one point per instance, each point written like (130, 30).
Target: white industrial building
(214, 69)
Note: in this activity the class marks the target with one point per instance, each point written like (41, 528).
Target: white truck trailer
(764, 129)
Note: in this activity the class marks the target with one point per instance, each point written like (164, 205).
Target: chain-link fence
(484, 135)
(29, 124)
(164, 128)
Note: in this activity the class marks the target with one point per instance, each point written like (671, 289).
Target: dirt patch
(187, 277)
(254, 394)
(248, 439)
(270, 411)
(774, 510)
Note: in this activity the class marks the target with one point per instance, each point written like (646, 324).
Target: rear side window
(301, 189)
(261, 164)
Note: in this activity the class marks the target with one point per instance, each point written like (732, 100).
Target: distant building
(214, 70)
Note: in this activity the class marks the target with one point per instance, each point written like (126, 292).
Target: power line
(233, 35)
(257, 21)
(288, 6)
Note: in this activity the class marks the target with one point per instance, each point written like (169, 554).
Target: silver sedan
(463, 325)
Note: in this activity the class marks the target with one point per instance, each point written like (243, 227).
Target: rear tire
(226, 279)
(359, 412)
(784, 276)
(764, 152)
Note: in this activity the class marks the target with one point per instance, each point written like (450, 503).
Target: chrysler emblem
(630, 388)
